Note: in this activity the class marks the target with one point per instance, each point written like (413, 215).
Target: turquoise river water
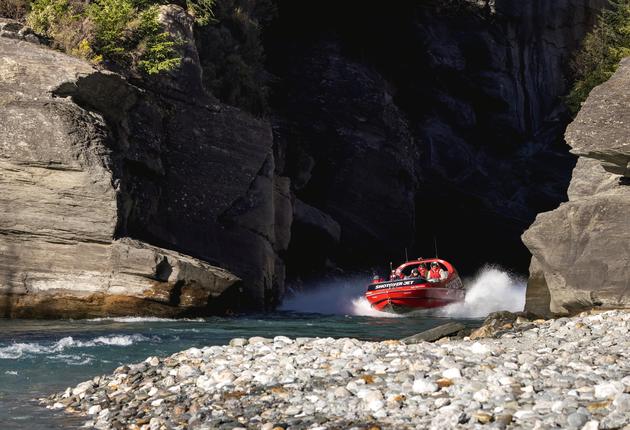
(38, 358)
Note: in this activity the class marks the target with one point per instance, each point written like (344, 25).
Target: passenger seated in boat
(422, 270)
(436, 273)
(415, 274)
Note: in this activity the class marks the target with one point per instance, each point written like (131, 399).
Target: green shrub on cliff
(601, 52)
(232, 55)
(123, 32)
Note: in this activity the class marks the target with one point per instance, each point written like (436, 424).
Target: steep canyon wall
(385, 127)
(431, 119)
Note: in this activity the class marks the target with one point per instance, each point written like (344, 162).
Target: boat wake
(17, 350)
(492, 289)
(131, 319)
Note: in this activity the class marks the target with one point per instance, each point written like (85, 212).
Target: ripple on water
(18, 350)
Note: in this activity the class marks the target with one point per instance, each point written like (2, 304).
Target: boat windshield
(407, 271)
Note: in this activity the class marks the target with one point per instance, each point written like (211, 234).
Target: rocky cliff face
(444, 122)
(447, 121)
(114, 199)
(581, 249)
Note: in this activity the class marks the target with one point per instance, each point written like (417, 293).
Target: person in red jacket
(435, 272)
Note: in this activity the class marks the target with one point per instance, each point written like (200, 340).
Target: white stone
(591, 425)
(507, 380)
(205, 383)
(424, 386)
(524, 414)
(479, 348)
(282, 339)
(452, 373)
(152, 361)
(82, 388)
(185, 371)
(193, 353)
(93, 410)
(482, 395)
(238, 341)
(622, 403)
(341, 392)
(608, 389)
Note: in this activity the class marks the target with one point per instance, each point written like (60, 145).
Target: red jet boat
(405, 292)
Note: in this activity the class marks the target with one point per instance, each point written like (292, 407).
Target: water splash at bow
(492, 289)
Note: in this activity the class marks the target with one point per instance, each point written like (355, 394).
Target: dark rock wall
(424, 119)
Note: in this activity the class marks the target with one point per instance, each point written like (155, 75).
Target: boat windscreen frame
(448, 266)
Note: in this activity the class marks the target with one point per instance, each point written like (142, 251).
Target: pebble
(424, 386)
(569, 373)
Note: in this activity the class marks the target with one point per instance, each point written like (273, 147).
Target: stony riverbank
(568, 373)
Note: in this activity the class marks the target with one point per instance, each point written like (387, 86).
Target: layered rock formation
(581, 250)
(90, 162)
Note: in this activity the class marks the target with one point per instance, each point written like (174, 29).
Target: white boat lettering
(394, 284)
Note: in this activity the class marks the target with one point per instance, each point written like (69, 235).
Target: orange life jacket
(434, 273)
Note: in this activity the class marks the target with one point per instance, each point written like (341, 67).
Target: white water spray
(491, 290)
(334, 297)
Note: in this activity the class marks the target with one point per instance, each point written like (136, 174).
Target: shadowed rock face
(581, 249)
(405, 123)
(89, 161)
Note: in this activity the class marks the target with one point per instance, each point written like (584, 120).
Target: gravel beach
(571, 373)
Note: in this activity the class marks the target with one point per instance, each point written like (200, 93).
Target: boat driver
(422, 270)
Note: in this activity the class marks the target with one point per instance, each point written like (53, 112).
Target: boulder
(434, 333)
(601, 130)
(580, 250)
(40, 279)
(102, 181)
(502, 321)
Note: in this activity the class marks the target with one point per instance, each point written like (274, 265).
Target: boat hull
(409, 298)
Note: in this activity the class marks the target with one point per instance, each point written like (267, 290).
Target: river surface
(38, 358)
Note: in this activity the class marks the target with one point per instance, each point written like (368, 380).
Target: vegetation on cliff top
(602, 50)
(232, 55)
(123, 32)
(126, 35)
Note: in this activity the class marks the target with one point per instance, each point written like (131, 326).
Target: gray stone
(435, 333)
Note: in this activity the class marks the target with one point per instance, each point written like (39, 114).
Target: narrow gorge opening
(422, 121)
